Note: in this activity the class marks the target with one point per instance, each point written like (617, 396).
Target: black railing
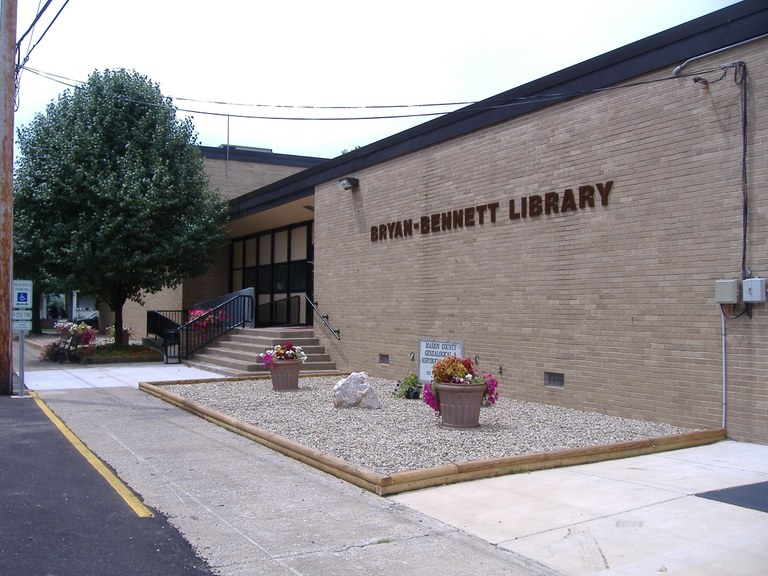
(324, 319)
(213, 302)
(160, 322)
(205, 326)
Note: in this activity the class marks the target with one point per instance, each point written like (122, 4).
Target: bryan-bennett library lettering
(571, 200)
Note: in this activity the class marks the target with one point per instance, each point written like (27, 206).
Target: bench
(66, 349)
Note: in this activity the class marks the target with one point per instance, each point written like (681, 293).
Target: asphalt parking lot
(242, 509)
(60, 516)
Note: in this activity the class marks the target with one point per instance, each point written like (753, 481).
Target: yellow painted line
(117, 485)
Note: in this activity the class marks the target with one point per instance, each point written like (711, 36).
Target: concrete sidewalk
(248, 510)
(634, 516)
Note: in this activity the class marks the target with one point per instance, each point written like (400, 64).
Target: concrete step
(275, 334)
(238, 352)
(260, 341)
(246, 365)
(249, 347)
(232, 373)
(223, 349)
(328, 368)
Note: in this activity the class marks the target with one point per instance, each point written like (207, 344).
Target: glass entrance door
(277, 264)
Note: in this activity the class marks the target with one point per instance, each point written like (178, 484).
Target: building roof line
(731, 25)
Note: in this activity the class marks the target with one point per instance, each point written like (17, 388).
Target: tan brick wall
(618, 298)
(234, 179)
(197, 289)
(214, 283)
(135, 315)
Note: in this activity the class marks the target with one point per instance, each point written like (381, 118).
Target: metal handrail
(324, 318)
(159, 322)
(200, 331)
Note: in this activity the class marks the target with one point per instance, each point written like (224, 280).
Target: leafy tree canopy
(111, 195)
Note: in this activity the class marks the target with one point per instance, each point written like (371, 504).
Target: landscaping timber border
(386, 485)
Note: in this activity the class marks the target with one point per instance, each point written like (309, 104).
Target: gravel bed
(405, 434)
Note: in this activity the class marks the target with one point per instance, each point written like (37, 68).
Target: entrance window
(277, 264)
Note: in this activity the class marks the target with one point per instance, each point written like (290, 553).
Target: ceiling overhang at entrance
(299, 210)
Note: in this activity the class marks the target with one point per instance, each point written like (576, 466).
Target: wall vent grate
(554, 380)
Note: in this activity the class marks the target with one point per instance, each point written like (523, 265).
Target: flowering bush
(67, 330)
(127, 330)
(203, 324)
(283, 351)
(195, 313)
(453, 369)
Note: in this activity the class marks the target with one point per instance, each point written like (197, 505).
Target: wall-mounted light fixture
(349, 183)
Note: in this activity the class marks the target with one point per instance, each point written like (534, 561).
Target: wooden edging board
(386, 485)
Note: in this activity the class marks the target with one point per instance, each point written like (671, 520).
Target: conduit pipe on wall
(725, 367)
(679, 69)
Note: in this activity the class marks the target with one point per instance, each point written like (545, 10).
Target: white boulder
(355, 391)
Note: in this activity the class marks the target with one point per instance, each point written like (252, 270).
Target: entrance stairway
(237, 352)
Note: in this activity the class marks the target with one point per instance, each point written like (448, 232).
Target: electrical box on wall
(727, 291)
(754, 290)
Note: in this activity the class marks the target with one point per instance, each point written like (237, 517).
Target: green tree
(111, 195)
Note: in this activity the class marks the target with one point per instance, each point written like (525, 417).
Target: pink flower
(430, 399)
(453, 369)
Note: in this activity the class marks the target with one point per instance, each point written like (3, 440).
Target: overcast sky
(330, 53)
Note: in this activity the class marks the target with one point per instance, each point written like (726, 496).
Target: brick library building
(597, 238)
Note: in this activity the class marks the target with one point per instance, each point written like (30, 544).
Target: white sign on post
(21, 320)
(430, 351)
(22, 294)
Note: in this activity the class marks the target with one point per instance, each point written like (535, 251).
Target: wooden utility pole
(7, 97)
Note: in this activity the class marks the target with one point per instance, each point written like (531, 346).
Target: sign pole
(21, 320)
(21, 363)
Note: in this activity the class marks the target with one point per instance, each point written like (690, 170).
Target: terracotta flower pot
(460, 404)
(285, 374)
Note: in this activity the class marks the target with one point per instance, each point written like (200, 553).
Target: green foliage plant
(111, 196)
(409, 387)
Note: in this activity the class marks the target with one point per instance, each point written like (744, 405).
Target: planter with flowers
(127, 331)
(76, 341)
(284, 363)
(457, 392)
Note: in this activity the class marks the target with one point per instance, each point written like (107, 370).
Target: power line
(314, 107)
(69, 82)
(72, 83)
(479, 106)
(32, 26)
(20, 64)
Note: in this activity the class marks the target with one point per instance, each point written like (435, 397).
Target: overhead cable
(493, 103)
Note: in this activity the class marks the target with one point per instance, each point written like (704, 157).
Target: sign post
(430, 351)
(21, 320)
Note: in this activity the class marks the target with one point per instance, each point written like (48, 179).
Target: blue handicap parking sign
(22, 294)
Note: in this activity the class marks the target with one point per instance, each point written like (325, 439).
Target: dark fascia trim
(737, 23)
(273, 199)
(259, 156)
